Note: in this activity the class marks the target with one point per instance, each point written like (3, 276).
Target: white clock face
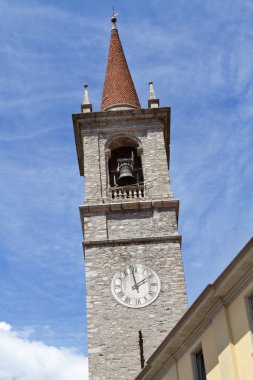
(136, 286)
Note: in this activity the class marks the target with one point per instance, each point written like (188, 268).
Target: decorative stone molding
(123, 139)
(151, 239)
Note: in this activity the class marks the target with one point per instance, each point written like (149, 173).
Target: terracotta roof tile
(118, 87)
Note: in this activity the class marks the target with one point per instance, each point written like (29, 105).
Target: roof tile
(118, 86)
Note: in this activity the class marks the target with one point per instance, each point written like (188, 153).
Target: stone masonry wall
(113, 329)
(112, 243)
(92, 166)
(156, 175)
(155, 222)
(142, 224)
(154, 161)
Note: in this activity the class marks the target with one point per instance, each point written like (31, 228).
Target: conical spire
(119, 91)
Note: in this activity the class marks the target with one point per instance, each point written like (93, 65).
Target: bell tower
(132, 248)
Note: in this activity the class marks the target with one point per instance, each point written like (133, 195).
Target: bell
(125, 175)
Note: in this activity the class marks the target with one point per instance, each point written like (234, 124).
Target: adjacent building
(214, 339)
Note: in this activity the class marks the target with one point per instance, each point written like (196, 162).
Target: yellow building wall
(184, 366)
(171, 374)
(224, 346)
(210, 354)
(241, 326)
(227, 345)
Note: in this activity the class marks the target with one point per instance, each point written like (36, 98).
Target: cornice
(127, 206)
(117, 127)
(147, 240)
(108, 117)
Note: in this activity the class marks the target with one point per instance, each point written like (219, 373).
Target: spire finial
(151, 91)
(86, 95)
(114, 19)
(86, 106)
(153, 101)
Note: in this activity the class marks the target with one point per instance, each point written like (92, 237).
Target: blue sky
(199, 55)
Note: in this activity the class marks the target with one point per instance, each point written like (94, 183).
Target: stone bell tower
(134, 276)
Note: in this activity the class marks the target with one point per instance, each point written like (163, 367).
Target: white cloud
(4, 327)
(23, 359)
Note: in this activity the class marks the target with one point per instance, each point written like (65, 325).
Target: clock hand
(142, 282)
(135, 283)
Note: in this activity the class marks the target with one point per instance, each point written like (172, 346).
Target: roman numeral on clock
(125, 273)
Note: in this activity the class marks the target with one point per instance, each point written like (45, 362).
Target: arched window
(124, 161)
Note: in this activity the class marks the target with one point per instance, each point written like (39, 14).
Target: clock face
(136, 286)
